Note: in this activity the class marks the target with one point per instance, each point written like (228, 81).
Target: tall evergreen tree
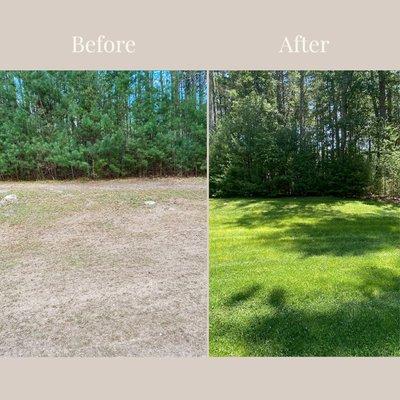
(102, 124)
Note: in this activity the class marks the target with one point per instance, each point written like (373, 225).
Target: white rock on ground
(150, 203)
(9, 199)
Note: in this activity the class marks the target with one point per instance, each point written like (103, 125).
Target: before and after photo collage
(186, 213)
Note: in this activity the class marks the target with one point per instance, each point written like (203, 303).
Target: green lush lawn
(304, 277)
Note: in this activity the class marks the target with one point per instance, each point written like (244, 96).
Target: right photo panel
(304, 175)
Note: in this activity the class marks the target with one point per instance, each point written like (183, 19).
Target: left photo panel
(103, 213)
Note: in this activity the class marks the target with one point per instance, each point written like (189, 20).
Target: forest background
(279, 133)
(102, 124)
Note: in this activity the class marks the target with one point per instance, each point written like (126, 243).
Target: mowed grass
(304, 277)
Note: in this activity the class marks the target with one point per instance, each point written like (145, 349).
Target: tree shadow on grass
(243, 295)
(325, 230)
(338, 236)
(369, 325)
(366, 327)
(275, 212)
(238, 202)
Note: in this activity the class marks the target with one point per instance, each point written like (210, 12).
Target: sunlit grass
(304, 277)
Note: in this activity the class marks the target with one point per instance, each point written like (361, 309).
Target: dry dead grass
(87, 269)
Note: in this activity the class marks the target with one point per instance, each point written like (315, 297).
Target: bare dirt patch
(91, 269)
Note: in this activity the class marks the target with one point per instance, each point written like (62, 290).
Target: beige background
(278, 378)
(204, 34)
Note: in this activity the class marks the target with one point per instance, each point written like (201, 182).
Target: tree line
(69, 124)
(278, 133)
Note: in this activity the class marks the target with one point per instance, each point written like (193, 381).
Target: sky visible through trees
(102, 124)
(278, 133)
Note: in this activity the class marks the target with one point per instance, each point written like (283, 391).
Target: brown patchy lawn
(88, 269)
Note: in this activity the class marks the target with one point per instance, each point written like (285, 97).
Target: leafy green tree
(280, 133)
